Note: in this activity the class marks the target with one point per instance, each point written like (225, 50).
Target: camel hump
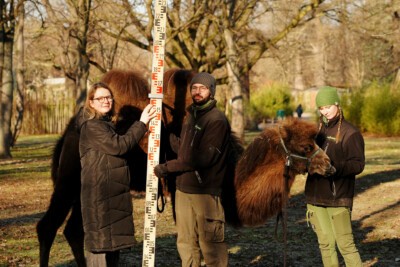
(254, 156)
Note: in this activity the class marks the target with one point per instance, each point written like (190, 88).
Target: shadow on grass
(20, 220)
(368, 181)
(380, 253)
(257, 246)
(26, 169)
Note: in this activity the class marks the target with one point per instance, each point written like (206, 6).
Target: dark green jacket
(105, 194)
(203, 147)
(347, 156)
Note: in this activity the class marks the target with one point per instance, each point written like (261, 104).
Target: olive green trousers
(333, 227)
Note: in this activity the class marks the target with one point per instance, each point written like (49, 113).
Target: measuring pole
(153, 154)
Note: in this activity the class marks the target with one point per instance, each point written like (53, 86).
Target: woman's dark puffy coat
(105, 194)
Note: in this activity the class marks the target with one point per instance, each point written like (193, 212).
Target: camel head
(302, 152)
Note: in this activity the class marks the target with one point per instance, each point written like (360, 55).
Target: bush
(380, 112)
(352, 105)
(373, 108)
(268, 100)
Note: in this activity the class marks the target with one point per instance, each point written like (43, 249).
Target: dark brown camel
(277, 155)
(130, 90)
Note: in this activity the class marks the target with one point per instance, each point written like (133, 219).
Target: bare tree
(107, 52)
(6, 93)
(222, 37)
(394, 10)
(211, 36)
(71, 22)
(371, 32)
(19, 69)
(82, 9)
(229, 24)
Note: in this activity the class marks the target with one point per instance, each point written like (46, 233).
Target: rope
(285, 198)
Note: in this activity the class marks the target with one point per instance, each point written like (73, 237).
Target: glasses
(102, 99)
(201, 88)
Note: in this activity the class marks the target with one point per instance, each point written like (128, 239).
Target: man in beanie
(330, 199)
(200, 168)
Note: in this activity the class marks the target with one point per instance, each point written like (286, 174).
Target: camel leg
(66, 194)
(74, 234)
(52, 220)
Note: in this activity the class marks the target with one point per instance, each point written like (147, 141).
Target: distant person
(106, 202)
(330, 199)
(299, 111)
(200, 167)
(280, 114)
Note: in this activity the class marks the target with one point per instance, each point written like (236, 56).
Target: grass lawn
(26, 188)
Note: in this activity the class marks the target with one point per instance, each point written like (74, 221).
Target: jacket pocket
(342, 222)
(214, 230)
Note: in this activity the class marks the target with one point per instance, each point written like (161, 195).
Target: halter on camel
(290, 155)
(283, 214)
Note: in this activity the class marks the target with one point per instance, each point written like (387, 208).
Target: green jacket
(347, 156)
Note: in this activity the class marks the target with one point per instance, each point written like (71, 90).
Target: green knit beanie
(327, 96)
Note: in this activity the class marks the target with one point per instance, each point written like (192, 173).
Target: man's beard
(200, 102)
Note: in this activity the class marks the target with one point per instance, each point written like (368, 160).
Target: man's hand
(161, 170)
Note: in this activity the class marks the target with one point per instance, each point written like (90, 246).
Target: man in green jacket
(200, 168)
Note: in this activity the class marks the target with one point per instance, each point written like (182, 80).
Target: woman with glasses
(105, 198)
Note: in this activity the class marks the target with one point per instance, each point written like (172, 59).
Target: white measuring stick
(153, 154)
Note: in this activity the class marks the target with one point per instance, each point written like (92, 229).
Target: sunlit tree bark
(6, 93)
(83, 17)
(72, 32)
(19, 70)
(233, 60)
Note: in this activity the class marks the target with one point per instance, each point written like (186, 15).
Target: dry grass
(25, 190)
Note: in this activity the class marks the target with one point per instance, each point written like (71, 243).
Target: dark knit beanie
(327, 96)
(205, 79)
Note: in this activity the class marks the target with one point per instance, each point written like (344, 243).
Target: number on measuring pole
(153, 154)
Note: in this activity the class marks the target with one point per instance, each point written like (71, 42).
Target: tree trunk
(396, 82)
(19, 70)
(319, 52)
(6, 93)
(83, 13)
(234, 84)
(2, 34)
(298, 82)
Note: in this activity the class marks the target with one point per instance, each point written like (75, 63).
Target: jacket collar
(106, 117)
(199, 110)
(331, 123)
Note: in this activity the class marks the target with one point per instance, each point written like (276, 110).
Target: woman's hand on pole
(149, 112)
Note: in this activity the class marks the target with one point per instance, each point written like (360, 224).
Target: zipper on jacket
(333, 188)
(332, 182)
(196, 130)
(198, 177)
